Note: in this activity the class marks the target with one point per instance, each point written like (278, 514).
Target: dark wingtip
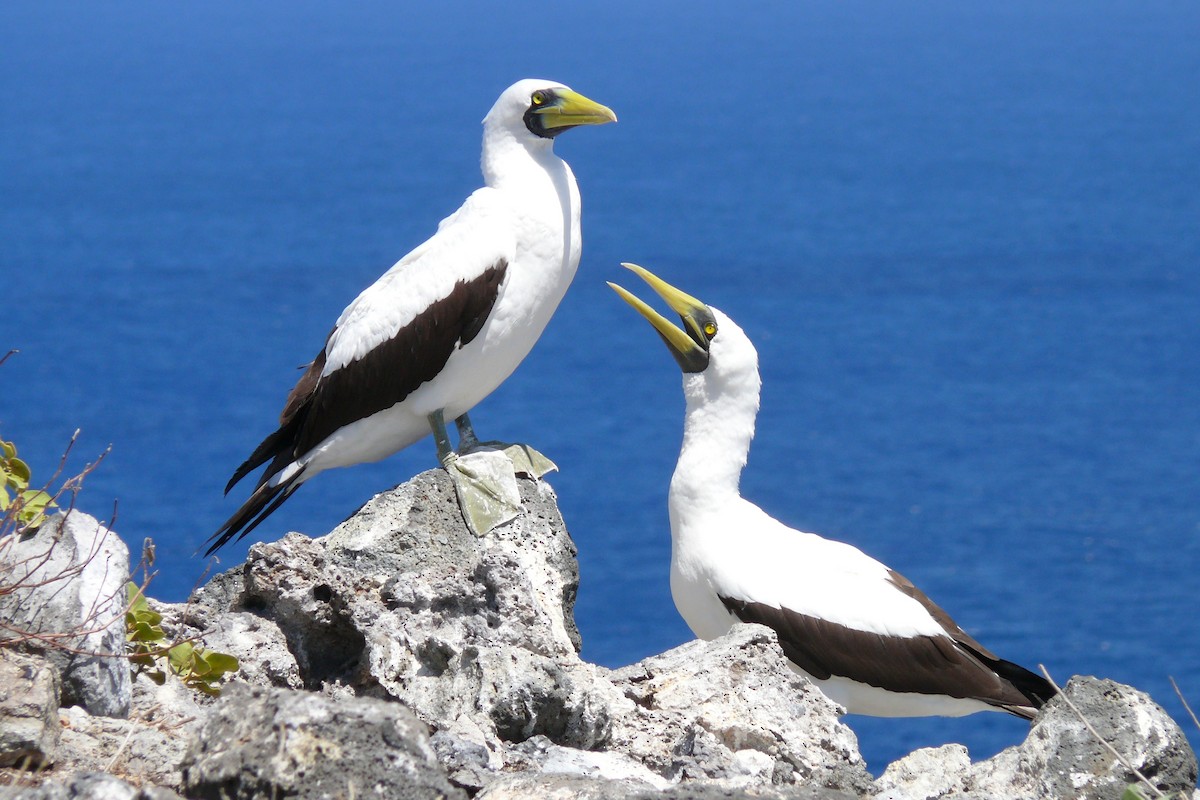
(260, 505)
(238, 474)
(1036, 689)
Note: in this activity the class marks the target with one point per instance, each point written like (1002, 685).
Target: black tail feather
(1033, 686)
(269, 448)
(257, 508)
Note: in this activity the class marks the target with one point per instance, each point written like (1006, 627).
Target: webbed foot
(486, 484)
(525, 460)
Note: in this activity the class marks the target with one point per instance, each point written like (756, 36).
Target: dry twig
(1186, 707)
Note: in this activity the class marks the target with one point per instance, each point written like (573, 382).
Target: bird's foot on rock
(525, 460)
(486, 484)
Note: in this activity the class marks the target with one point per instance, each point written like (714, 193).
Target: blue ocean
(965, 238)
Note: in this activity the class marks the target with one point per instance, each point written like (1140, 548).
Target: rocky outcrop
(1060, 757)
(29, 700)
(284, 743)
(66, 601)
(402, 656)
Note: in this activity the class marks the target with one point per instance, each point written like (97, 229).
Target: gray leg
(526, 460)
(440, 438)
(467, 440)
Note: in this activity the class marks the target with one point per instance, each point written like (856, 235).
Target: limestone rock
(285, 743)
(399, 619)
(552, 786)
(255, 641)
(136, 750)
(925, 774)
(29, 727)
(733, 711)
(1060, 758)
(540, 755)
(89, 786)
(70, 578)
(403, 601)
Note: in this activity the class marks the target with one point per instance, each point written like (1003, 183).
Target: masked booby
(863, 633)
(440, 330)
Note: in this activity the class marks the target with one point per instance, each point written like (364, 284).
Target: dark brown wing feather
(317, 406)
(934, 665)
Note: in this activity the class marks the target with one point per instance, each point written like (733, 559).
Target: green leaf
(134, 596)
(18, 470)
(152, 618)
(181, 657)
(145, 632)
(221, 662)
(33, 507)
(36, 498)
(200, 669)
(9, 449)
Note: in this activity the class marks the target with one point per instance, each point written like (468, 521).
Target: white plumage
(441, 329)
(862, 632)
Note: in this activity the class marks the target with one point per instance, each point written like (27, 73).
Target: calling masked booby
(440, 330)
(863, 633)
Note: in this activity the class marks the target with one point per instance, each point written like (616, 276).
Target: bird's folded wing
(400, 332)
(924, 664)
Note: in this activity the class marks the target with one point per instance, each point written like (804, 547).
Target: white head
(534, 111)
(713, 352)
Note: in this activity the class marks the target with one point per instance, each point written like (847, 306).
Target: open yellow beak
(690, 346)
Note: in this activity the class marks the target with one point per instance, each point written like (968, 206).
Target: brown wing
(933, 665)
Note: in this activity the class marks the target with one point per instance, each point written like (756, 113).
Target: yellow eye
(710, 330)
(538, 98)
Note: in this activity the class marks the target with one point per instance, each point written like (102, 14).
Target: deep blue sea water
(965, 238)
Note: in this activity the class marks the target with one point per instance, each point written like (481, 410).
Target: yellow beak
(690, 348)
(571, 109)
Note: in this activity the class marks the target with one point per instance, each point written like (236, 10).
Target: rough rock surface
(402, 601)
(88, 786)
(29, 728)
(69, 578)
(403, 654)
(733, 711)
(133, 749)
(256, 642)
(477, 636)
(535, 786)
(1060, 758)
(287, 743)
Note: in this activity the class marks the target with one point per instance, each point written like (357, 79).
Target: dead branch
(1183, 700)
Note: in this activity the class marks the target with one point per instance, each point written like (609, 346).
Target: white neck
(717, 429)
(507, 159)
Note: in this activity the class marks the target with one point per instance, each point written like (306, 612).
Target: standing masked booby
(441, 329)
(861, 632)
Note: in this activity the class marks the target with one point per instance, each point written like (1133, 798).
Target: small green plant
(24, 506)
(199, 668)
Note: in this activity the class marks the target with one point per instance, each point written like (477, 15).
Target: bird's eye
(710, 329)
(539, 98)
